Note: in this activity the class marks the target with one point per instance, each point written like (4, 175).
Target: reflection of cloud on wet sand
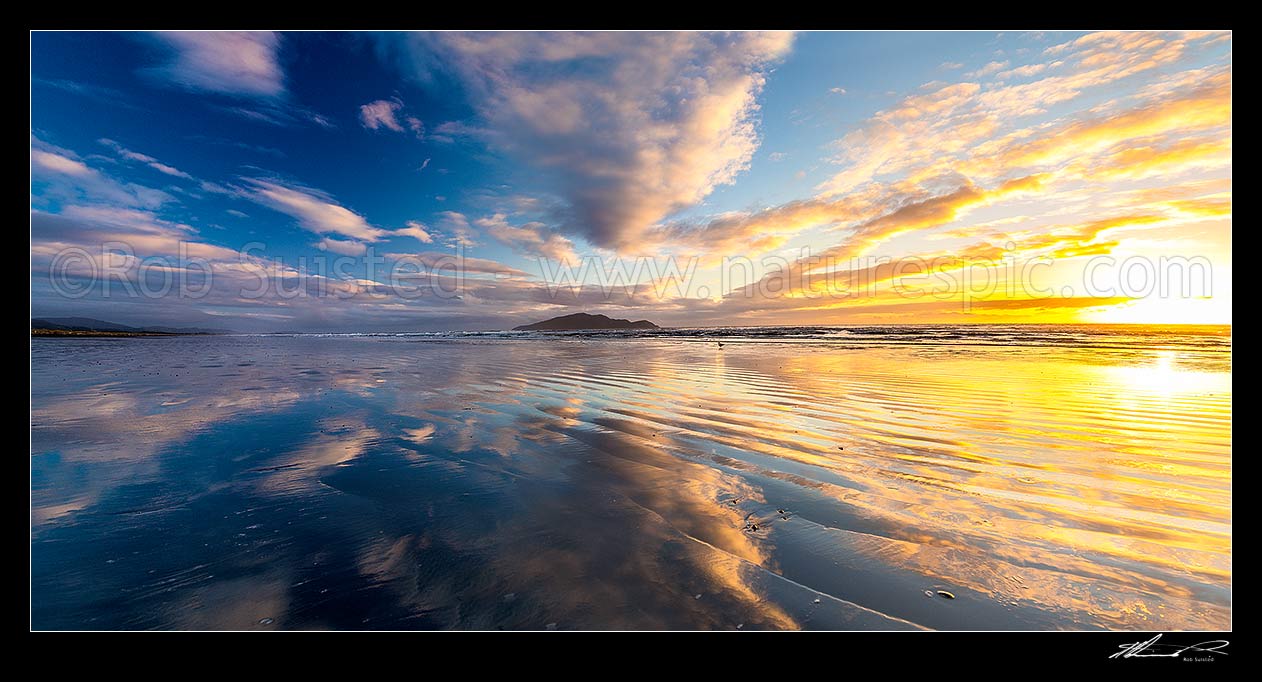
(109, 425)
(338, 441)
(118, 406)
(520, 484)
(958, 495)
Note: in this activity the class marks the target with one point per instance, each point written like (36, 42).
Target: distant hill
(89, 325)
(579, 321)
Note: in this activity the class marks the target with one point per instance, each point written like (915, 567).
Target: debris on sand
(551, 626)
(266, 621)
(945, 595)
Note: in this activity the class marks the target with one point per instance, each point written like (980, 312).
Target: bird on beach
(720, 343)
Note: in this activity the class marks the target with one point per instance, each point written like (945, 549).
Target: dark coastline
(71, 333)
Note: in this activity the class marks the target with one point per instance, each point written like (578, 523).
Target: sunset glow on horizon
(820, 178)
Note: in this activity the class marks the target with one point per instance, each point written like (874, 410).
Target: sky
(308, 181)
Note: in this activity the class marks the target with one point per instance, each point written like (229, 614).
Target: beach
(899, 478)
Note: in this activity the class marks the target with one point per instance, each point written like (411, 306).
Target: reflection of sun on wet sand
(644, 483)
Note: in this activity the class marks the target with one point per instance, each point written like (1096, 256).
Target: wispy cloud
(314, 210)
(90, 90)
(244, 63)
(69, 177)
(280, 114)
(531, 239)
(468, 264)
(345, 247)
(147, 160)
(243, 67)
(988, 69)
(57, 163)
(416, 231)
(388, 114)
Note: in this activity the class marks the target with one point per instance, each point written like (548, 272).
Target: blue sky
(518, 147)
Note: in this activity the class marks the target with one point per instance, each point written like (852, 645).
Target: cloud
(380, 114)
(65, 176)
(384, 113)
(627, 127)
(869, 218)
(150, 243)
(457, 225)
(1051, 303)
(279, 114)
(416, 231)
(153, 163)
(838, 91)
(988, 69)
(142, 231)
(239, 144)
(314, 210)
(143, 236)
(60, 164)
(90, 90)
(1063, 241)
(342, 246)
(531, 239)
(1026, 71)
(1111, 139)
(1204, 107)
(948, 127)
(242, 63)
(434, 260)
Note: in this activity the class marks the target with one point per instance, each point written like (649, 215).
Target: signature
(1152, 649)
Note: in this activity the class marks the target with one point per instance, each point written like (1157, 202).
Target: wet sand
(663, 482)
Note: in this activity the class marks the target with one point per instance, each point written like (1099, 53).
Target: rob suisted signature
(1152, 649)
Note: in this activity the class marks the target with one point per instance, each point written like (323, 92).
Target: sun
(1209, 310)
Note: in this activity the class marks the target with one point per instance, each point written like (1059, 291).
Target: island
(582, 321)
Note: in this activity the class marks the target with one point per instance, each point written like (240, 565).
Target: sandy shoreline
(369, 482)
